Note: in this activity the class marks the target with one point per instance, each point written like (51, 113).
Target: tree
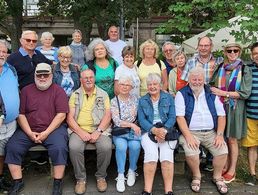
(199, 15)
(11, 20)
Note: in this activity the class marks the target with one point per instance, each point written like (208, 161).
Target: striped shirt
(252, 101)
(208, 67)
(50, 54)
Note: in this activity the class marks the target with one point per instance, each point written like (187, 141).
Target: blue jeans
(134, 144)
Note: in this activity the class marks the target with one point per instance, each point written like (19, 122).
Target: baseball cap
(43, 68)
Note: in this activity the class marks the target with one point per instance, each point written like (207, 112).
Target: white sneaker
(120, 183)
(131, 175)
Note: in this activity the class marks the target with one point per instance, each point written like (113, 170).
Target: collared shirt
(10, 93)
(85, 120)
(208, 67)
(201, 117)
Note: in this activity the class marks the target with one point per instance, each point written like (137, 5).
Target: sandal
(196, 184)
(229, 178)
(221, 186)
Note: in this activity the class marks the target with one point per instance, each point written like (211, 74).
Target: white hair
(197, 71)
(46, 35)
(153, 77)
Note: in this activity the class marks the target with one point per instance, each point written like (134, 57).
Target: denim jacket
(166, 111)
(58, 76)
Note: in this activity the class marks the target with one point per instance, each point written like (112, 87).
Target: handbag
(116, 131)
(171, 135)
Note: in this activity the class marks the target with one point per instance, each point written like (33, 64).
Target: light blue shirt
(10, 93)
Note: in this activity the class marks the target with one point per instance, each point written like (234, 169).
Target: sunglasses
(30, 40)
(232, 50)
(45, 76)
(169, 51)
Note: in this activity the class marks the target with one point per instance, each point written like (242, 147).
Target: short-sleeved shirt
(116, 48)
(85, 120)
(123, 70)
(144, 71)
(41, 107)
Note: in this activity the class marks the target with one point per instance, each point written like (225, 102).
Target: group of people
(69, 97)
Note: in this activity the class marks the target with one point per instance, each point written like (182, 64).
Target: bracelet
(219, 134)
(99, 130)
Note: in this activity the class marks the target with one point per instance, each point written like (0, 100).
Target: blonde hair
(26, 32)
(64, 50)
(46, 35)
(149, 42)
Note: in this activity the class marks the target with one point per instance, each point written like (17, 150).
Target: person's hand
(219, 141)
(217, 91)
(94, 136)
(192, 142)
(33, 136)
(159, 140)
(137, 129)
(42, 136)
(85, 136)
(160, 133)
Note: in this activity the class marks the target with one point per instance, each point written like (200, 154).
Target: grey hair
(168, 43)
(197, 71)
(153, 77)
(89, 53)
(46, 35)
(29, 32)
(179, 53)
(122, 79)
(4, 43)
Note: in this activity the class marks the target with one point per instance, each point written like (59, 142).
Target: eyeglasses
(45, 76)
(30, 40)
(65, 58)
(169, 51)
(125, 85)
(205, 46)
(232, 50)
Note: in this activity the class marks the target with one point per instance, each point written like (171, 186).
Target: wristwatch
(227, 95)
(219, 134)
(99, 130)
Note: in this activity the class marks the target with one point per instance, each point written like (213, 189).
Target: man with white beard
(10, 99)
(43, 109)
(201, 119)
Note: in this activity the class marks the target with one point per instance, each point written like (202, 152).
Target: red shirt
(179, 82)
(41, 107)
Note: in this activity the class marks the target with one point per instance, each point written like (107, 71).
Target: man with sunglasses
(26, 58)
(43, 109)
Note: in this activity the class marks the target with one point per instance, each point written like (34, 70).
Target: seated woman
(156, 116)
(124, 112)
(175, 83)
(65, 74)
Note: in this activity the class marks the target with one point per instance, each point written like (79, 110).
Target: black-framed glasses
(232, 50)
(45, 76)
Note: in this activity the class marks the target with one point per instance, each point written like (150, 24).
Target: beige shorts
(205, 139)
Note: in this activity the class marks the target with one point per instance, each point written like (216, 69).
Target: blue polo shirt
(10, 93)
(26, 65)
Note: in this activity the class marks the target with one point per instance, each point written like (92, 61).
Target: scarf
(234, 80)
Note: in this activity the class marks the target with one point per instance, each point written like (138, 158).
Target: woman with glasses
(124, 113)
(47, 49)
(232, 81)
(156, 116)
(65, 74)
(78, 49)
(175, 83)
(102, 64)
(168, 50)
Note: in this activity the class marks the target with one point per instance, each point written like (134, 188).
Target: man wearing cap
(43, 108)
(26, 59)
(9, 93)
(89, 119)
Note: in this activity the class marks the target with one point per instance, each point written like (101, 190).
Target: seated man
(201, 119)
(89, 118)
(43, 109)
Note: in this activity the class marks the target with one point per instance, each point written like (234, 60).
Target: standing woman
(47, 49)
(127, 68)
(102, 65)
(78, 49)
(65, 74)
(233, 82)
(175, 83)
(149, 52)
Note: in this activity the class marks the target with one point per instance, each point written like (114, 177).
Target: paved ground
(38, 182)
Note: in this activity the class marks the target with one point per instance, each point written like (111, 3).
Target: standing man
(168, 50)
(204, 59)
(10, 98)
(89, 118)
(26, 59)
(43, 109)
(251, 140)
(115, 44)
